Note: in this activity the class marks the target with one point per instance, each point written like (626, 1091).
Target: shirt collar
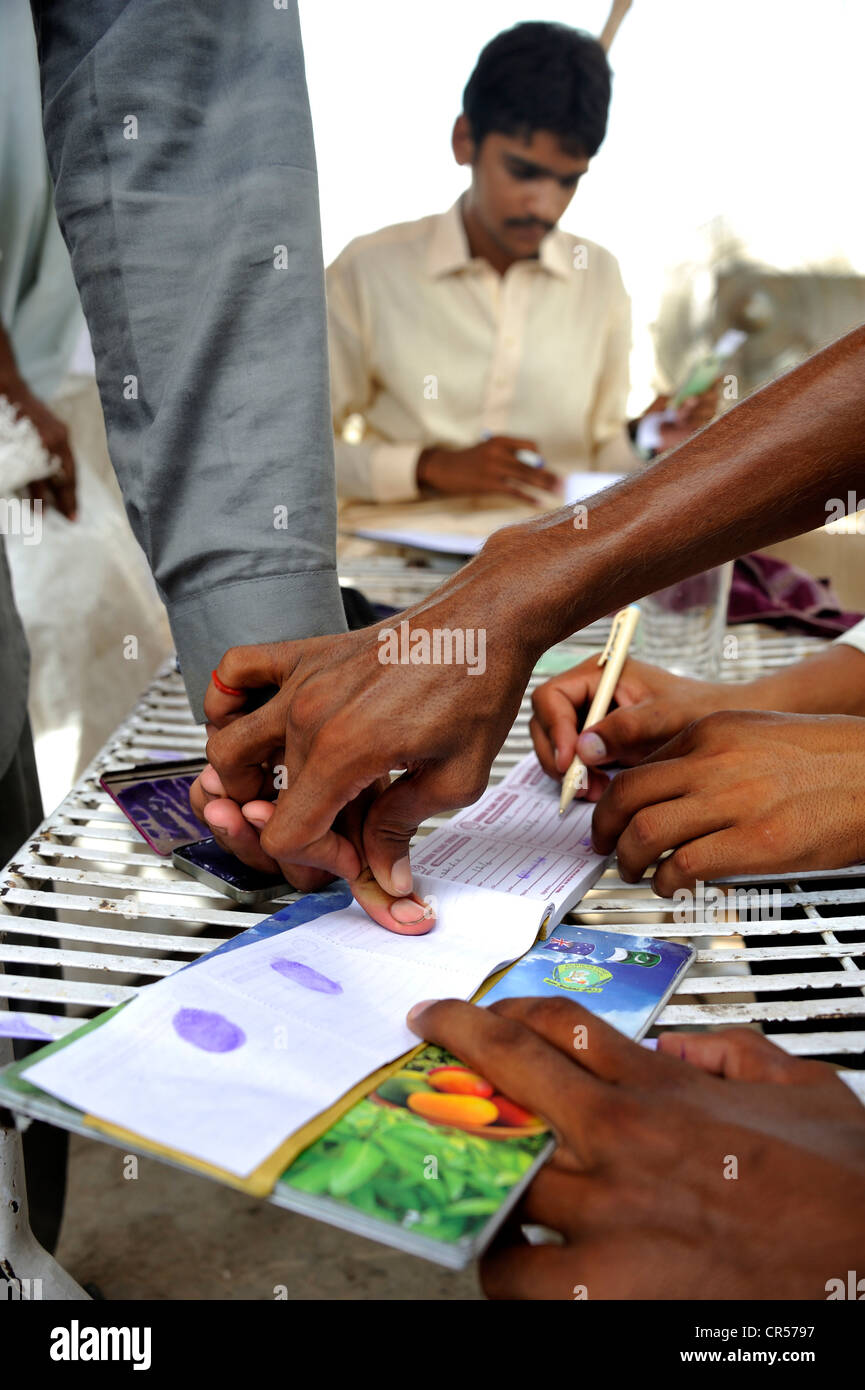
(448, 248)
(555, 254)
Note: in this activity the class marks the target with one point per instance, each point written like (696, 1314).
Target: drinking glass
(682, 627)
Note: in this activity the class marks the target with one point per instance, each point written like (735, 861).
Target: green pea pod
(418, 1136)
(364, 1199)
(314, 1177)
(418, 1167)
(507, 1180)
(346, 1128)
(444, 1228)
(401, 1195)
(315, 1152)
(357, 1163)
(408, 1165)
(455, 1184)
(451, 1230)
(357, 1123)
(474, 1206)
(437, 1193)
(408, 1159)
(484, 1190)
(430, 1221)
(411, 1157)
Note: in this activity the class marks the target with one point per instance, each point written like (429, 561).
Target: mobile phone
(211, 864)
(155, 798)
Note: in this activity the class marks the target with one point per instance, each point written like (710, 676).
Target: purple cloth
(766, 590)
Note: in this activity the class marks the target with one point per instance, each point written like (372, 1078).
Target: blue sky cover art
(620, 978)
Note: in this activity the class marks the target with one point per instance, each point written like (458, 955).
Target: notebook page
(514, 841)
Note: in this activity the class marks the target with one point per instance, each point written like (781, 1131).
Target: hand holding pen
(613, 658)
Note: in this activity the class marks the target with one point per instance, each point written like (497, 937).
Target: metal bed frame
(117, 917)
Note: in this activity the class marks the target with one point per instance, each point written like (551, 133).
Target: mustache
(532, 222)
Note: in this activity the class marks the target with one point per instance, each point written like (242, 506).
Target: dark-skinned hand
(725, 1173)
(739, 792)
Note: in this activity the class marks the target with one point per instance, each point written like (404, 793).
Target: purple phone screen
(160, 810)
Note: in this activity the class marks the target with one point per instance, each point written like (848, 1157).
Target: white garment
(23, 457)
(854, 637)
(95, 625)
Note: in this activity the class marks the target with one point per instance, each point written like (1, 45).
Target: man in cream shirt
(473, 341)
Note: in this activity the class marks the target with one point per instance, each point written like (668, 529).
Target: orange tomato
(512, 1114)
(459, 1081)
(453, 1110)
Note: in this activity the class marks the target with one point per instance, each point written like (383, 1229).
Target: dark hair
(541, 76)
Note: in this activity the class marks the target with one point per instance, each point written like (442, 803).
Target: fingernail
(416, 1010)
(260, 821)
(215, 817)
(210, 781)
(408, 913)
(400, 877)
(592, 748)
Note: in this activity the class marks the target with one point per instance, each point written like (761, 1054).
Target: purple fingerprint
(305, 975)
(211, 1032)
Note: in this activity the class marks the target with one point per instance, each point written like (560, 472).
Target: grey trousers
(180, 145)
(45, 1147)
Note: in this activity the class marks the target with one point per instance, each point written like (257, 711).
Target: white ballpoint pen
(613, 657)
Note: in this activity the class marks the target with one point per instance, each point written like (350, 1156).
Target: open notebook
(224, 1060)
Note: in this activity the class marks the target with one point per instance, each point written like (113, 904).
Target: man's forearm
(762, 472)
(830, 682)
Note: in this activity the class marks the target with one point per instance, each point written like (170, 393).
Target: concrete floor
(169, 1235)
